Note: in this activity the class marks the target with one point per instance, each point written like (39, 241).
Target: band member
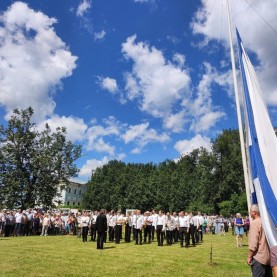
(111, 225)
(193, 230)
(101, 228)
(128, 227)
(154, 224)
(92, 226)
(118, 226)
(160, 229)
(184, 229)
(200, 223)
(138, 226)
(169, 226)
(175, 230)
(147, 227)
(85, 223)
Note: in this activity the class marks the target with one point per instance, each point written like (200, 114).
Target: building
(71, 194)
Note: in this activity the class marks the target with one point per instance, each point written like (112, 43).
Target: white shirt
(183, 221)
(154, 217)
(18, 218)
(161, 220)
(112, 220)
(85, 220)
(139, 221)
(200, 219)
(119, 219)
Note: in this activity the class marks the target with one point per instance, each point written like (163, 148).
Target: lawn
(69, 256)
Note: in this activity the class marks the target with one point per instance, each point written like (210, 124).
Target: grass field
(69, 256)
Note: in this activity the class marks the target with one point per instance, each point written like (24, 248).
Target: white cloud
(187, 146)
(142, 135)
(203, 112)
(179, 59)
(33, 60)
(99, 35)
(76, 128)
(256, 34)
(144, 1)
(108, 83)
(156, 83)
(175, 122)
(83, 7)
(90, 165)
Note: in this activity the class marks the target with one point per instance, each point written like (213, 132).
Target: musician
(193, 230)
(175, 233)
(92, 225)
(184, 229)
(160, 228)
(111, 225)
(169, 227)
(128, 227)
(154, 224)
(200, 223)
(138, 226)
(118, 226)
(148, 220)
(85, 223)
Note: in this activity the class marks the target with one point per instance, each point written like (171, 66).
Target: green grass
(69, 256)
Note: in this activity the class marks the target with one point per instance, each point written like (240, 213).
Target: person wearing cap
(148, 220)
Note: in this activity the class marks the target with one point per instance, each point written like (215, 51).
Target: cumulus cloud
(76, 128)
(187, 146)
(33, 60)
(203, 113)
(157, 84)
(179, 59)
(108, 84)
(83, 7)
(255, 22)
(99, 35)
(143, 135)
(90, 165)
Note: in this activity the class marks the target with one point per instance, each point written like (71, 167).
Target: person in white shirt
(128, 227)
(118, 226)
(160, 228)
(154, 224)
(45, 225)
(138, 226)
(193, 228)
(18, 222)
(200, 223)
(169, 226)
(175, 230)
(111, 222)
(85, 223)
(184, 229)
(147, 227)
(93, 224)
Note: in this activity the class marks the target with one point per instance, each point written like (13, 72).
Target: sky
(134, 80)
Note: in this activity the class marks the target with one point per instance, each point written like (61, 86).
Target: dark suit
(101, 228)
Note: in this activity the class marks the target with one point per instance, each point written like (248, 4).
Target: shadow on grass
(108, 247)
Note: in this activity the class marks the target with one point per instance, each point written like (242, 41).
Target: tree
(32, 163)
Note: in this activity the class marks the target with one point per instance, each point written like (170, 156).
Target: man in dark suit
(101, 228)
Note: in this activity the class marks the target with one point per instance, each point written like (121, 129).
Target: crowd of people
(169, 228)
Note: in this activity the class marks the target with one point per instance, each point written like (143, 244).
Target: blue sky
(134, 80)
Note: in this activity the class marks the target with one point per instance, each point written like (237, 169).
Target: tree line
(210, 181)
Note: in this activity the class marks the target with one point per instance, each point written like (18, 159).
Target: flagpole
(242, 142)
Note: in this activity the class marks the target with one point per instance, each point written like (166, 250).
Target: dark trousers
(175, 235)
(192, 231)
(7, 230)
(111, 233)
(17, 229)
(128, 230)
(160, 235)
(169, 237)
(147, 233)
(100, 239)
(184, 235)
(153, 233)
(200, 233)
(85, 233)
(118, 232)
(93, 232)
(259, 269)
(29, 227)
(138, 235)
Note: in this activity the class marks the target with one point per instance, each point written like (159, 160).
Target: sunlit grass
(69, 256)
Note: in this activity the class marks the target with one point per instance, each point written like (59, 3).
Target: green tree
(33, 163)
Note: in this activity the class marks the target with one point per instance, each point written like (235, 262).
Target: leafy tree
(32, 163)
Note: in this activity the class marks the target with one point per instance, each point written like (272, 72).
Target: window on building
(73, 203)
(78, 203)
(68, 203)
(75, 191)
(80, 192)
(69, 190)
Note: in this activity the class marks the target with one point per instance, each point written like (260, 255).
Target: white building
(71, 194)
